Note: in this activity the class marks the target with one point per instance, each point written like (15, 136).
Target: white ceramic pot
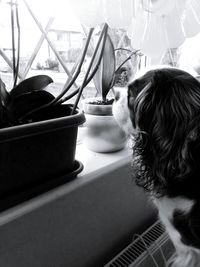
(102, 134)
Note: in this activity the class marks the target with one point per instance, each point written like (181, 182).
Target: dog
(160, 110)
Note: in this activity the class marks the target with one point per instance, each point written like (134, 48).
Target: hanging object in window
(118, 13)
(158, 7)
(137, 28)
(89, 12)
(154, 40)
(154, 26)
(195, 4)
(174, 29)
(191, 23)
(168, 24)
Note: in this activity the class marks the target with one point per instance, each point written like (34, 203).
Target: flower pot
(94, 109)
(32, 154)
(102, 133)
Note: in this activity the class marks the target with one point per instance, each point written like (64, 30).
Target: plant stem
(56, 100)
(85, 81)
(88, 79)
(125, 49)
(13, 38)
(74, 68)
(69, 96)
(18, 44)
(128, 58)
(77, 71)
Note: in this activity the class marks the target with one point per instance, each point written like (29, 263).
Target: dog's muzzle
(121, 111)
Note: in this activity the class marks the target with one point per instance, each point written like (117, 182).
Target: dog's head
(161, 109)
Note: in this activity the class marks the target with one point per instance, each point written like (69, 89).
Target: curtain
(152, 25)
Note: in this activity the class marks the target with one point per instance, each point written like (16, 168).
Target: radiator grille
(153, 240)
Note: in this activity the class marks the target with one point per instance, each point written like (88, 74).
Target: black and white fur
(161, 111)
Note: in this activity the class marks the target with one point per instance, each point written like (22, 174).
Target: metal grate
(151, 248)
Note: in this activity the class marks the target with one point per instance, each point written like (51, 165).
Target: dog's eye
(131, 101)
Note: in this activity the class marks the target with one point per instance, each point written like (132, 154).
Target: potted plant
(38, 131)
(102, 133)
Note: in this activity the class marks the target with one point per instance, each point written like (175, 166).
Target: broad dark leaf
(105, 73)
(25, 103)
(31, 84)
(108, 66)
(98, 75)
(97, 79)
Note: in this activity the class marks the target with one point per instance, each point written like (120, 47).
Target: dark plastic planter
(39, 152)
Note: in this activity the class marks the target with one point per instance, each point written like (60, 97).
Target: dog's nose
(116, 94)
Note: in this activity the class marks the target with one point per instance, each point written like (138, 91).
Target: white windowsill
(98, 163)
(95, 165)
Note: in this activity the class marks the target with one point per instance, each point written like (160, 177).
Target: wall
(82, 228)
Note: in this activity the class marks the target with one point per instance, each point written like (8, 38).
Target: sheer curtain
(153, 25)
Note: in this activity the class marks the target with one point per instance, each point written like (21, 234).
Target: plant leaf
(106, 71)
(4, 101)
(5, 96)
(22, 104)
(31, 84)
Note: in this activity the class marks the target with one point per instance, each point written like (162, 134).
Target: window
(51, 42)
(189, 55)
(51, 49)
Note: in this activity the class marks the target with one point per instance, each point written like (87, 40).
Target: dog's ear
(131, 102)
(131, 96)
(136, 91)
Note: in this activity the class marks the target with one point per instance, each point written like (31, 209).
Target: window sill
(99, 163)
